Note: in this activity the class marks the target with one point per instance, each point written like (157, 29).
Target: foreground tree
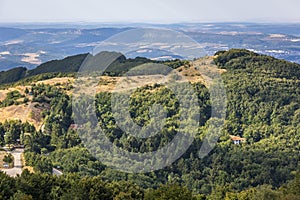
(7, 186)
(166, 192)
(8, 158)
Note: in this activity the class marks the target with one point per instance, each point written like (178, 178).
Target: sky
(149, 11)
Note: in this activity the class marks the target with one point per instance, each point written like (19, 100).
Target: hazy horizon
(156, 12)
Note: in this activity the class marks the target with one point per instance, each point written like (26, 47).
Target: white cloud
(32, 58)
(11, 42)
(4, 53)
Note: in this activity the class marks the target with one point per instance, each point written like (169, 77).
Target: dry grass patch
(30, 112)
(54, 81)
(2, 154)
(3, 93)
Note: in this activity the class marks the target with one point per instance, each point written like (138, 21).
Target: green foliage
(168, 192)
(7, 186)
(175, 63)
(263, 107)
(88, 188)
(252, 64)
(291, 190)
(42, 164)
(8, 158)
(124, 190)
(11, 98)
(12, 130)
(68, 64)
(12, 75)
(36, 141)
(21, 196)
(77, 160)
(123, 65)
(71, 186)
(67, 67)
(140, 104)
(223, 57)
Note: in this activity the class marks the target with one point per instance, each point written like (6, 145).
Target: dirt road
(17, 169)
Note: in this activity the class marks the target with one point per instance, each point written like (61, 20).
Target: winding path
(17, 169)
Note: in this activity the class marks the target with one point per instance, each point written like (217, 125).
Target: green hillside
(70, 65)
(12, 75)
(66, 65)
(263, 108)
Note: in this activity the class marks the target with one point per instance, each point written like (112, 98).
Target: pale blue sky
(156, 11)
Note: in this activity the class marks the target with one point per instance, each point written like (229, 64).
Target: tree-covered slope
(72, 64)
(69, 64)
(119, 65)
(12, 75)
(261, 90)
(263, 107)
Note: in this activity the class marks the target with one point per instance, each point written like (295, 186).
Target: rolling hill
(263, 108)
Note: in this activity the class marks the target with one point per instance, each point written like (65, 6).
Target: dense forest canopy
(263, 107)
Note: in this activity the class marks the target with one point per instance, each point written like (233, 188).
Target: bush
(8, 158)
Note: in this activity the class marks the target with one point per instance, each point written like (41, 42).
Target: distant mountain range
(28, 46)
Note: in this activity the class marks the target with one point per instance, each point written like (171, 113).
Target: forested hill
(261, 90)
(263, 107)
(70, 65)
(246, 61)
